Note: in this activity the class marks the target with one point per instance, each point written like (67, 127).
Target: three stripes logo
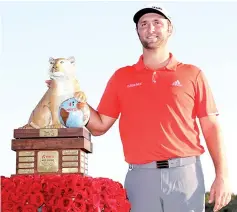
(177, 83)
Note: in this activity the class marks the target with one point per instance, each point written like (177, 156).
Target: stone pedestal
(52, 151)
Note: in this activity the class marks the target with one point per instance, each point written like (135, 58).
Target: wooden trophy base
(51, 151)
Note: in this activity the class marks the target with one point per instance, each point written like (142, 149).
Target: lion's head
(62, 67)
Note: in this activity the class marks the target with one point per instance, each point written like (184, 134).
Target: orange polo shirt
(158, 110)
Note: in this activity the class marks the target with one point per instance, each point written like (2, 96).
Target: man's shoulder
(123, 71)
(189, 69)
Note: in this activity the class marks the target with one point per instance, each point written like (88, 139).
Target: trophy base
(51, 151)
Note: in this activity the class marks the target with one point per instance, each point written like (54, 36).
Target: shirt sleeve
(109, 103)
(205, 103)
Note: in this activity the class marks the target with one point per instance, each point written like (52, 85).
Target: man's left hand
(220, 193)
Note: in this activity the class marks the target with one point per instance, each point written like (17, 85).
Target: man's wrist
(223, 173)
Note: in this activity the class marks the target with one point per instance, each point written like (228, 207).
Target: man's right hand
(98, 124)
(48, 82)
(80, 96)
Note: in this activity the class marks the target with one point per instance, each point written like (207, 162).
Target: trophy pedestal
(52, 151)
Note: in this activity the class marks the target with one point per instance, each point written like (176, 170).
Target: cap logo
(155, 7)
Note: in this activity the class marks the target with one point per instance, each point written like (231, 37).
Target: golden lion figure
(63, 86)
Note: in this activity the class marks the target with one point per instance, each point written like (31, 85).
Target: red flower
(79, 205)
(46, 208)
(53, 201)
(5, 195)
(36, 187)
(7, 206)
(62, 193)
(65, 203)
(17, 197)
(36, 199)
(7, 184)
(30, 208)
(18, 207)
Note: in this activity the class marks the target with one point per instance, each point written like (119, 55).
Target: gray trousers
(177, 189)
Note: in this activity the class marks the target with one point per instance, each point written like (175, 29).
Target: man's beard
(159, 43)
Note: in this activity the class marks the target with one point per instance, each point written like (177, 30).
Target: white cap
(151, 8)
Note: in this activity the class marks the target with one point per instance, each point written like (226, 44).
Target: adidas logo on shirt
(177, 83)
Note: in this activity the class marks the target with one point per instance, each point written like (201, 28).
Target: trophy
(54, 141)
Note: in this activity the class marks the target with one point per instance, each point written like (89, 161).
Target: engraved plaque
(69, 158)
(70, 152)
(69, 170)
(25, 165)
(47, 161)
(25, 171)
(26, 159)
(48, 132)
(26, 153)
(69, 164)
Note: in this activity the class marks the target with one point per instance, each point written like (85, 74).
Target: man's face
(153, 30)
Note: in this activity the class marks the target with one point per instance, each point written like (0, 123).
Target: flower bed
(62, 193)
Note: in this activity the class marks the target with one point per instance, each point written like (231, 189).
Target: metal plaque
(25, 171)
(25, 165)
(69, 170)
(69, 164)
(47, 161)
(26, 159)
(69, 158)
(26, 153)
(70, 152)
(48, 132)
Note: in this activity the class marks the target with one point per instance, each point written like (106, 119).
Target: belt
(171, 163)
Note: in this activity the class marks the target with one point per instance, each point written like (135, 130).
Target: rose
(71, 192)
(5, 195)
(65, 203)
(30, 208)
(17, 197)
(52, 201)
(36, 199)
(79, 205)
(7, 184)
(35, 187)
(7, 206)
(46, 208)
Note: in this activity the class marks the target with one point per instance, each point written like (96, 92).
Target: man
(158, 100)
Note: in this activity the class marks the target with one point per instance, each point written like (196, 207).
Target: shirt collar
(172, 65)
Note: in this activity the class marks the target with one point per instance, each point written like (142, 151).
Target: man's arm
(99, 124)
(220, 190)
(213, 136)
